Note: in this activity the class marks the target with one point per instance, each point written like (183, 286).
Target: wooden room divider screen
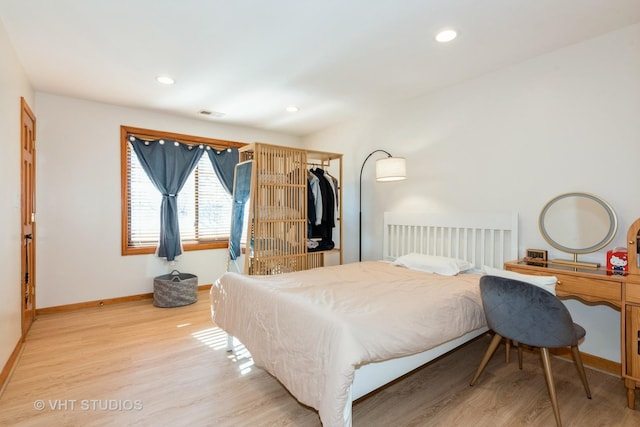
(277, 231)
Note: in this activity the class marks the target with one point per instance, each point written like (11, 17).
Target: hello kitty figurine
(617, 260)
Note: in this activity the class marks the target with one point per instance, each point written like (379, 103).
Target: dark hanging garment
(324, 230)
(311, 211)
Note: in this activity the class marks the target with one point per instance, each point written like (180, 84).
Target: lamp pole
(360, 228)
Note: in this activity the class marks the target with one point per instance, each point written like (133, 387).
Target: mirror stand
(577, 223)
(576, 263)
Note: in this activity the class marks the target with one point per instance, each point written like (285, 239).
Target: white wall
(509, 140)
(13, 85)
(78, 201)
(512, 139)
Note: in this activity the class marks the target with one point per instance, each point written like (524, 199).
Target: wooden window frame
(218, 144)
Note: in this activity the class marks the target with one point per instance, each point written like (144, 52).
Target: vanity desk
(599, 286)
(591, 285)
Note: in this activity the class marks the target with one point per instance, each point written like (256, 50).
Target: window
(203, 204)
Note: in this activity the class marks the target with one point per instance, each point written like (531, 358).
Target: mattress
(312, 329)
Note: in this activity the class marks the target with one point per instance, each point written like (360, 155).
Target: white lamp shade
(391, 169)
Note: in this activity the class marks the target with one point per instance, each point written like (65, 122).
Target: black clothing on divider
(324, 230)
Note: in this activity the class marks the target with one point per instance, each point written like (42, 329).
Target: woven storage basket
(175, 289)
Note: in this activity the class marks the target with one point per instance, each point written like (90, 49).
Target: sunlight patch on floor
(241, 354)
(245, 368)
(216, 338)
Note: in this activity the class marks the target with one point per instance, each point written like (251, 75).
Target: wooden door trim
(27, 114)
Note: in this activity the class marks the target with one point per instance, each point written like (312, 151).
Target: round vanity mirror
(578, 223)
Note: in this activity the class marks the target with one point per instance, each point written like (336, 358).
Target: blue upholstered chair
(527, 314)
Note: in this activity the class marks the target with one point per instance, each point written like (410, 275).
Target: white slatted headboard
(480, 238)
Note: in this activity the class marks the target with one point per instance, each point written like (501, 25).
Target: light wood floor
(135, 364)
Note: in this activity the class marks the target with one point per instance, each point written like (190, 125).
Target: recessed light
(292, 109)
(445, 36)
(165, 80)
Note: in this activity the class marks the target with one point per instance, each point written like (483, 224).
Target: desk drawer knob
(558, 282)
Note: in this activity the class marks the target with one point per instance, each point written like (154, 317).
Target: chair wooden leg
(551, 386)
(507, 350)
(578, 361)
(487, 356)
(519, 356)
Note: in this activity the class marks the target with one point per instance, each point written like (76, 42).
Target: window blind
(204, 207)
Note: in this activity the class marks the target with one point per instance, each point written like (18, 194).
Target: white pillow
(548, 283)
(444, 266)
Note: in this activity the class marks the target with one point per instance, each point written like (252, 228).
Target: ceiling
(250, 59)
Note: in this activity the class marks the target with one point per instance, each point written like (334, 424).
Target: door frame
(27, 216)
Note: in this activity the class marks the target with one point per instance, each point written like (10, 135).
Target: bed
(331, 335)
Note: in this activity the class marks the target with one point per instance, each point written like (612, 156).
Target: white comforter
(312, 329)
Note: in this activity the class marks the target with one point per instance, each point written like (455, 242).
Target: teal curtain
(168, 164)
(224, 163)
(241, 194)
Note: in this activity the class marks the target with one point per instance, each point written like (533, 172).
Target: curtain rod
(152, 134)
(150, 138)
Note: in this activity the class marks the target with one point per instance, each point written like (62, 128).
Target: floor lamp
(387, 169)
